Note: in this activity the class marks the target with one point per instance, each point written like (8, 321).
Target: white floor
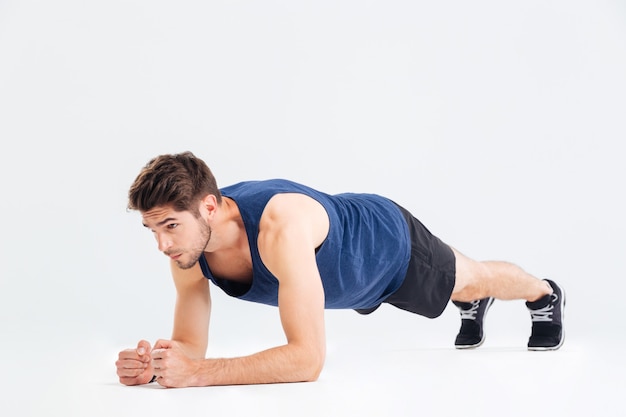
(371, 370)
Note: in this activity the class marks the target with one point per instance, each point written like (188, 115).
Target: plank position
(284, 244)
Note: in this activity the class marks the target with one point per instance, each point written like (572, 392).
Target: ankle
(543, 289)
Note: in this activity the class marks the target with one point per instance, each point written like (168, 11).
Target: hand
(134, 366)
(172, 366)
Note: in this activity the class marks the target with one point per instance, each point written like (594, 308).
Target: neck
(229, 232)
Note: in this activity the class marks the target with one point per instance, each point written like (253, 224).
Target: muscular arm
(192, 311)
(291, 228)
(189, 339)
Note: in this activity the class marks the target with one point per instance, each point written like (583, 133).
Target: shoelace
(471, 313)
(544, 313)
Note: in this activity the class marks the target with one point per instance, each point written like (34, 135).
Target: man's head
(179, 181)
(169, 192)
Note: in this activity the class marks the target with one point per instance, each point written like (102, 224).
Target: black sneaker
(471, 334)
(547, 316)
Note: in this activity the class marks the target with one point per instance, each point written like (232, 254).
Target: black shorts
(430, 276)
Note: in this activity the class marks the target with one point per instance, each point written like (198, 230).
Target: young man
(285, 244)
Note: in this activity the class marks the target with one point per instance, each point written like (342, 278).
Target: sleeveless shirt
(362, 261)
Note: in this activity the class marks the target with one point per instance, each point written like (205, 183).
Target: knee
(469, 291)
(472, 281)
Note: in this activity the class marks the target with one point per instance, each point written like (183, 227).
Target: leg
(502, 280)
(477, 283)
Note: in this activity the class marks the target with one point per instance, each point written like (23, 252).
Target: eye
(172, 225)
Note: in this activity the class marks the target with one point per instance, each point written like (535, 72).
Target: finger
(128, 354)
(129, 373)
(163, 344)
(159, 361)
(131, 367)
(131, 364)
(131, 354)
(130, 380)
(143, 347)
(131, 359)
(158, 355)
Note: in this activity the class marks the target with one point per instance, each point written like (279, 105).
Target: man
(285, 244)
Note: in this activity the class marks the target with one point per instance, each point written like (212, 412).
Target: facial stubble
(198, 249)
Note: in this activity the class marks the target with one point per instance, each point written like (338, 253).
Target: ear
(209, 203)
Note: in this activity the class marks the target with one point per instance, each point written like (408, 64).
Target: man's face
(179, 234)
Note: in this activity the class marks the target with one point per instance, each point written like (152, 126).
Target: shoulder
(292, 206)
(252, 186)
(294, 213)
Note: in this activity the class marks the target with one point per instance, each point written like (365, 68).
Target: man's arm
(193, 310)
(190, 336)
(291, 228)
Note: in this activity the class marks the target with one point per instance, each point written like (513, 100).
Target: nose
(163, 242)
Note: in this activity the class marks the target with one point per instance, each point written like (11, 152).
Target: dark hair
(177, 180)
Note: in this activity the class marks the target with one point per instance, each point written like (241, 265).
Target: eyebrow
(162, 222)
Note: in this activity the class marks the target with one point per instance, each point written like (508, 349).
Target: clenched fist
(134, 366)
(173, 367)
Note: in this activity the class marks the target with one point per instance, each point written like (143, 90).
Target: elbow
(313, 366)
(313, 372)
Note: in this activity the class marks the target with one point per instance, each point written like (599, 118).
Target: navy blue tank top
(362, 261)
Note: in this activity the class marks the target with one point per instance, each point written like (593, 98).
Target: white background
(499, 124)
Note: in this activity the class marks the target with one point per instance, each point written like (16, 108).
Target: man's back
(362, 261)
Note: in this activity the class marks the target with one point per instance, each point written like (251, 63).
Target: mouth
(174, 257)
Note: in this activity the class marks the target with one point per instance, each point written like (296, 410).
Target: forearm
(286, 363)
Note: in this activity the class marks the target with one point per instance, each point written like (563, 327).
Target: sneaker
(471, 334)
(547, 317)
